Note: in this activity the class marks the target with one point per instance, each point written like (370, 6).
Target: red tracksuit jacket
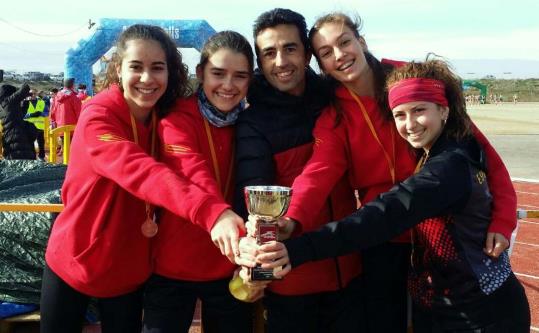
(183, 248)
(352, 147)
(96, 245)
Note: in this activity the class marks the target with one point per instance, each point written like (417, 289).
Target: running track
(525, 256)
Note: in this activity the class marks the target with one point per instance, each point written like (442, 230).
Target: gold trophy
(267, 204)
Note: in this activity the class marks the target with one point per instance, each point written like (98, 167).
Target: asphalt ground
(513, 129)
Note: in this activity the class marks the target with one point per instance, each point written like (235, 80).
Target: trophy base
(263, 274)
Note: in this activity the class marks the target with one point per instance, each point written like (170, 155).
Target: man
(18, 135)
(67, 106)
(35, 114)
(274, 142)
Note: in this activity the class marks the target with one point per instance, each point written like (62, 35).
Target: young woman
(357, 136)
(198, 141)
(100, 244)
(455, 286)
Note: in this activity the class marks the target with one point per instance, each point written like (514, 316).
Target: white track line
(529, 222)
(527, 206)
(527, 275)
(529, 244)
(525, 180)
(526, 192)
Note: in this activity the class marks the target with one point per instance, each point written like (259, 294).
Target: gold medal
(149, 228)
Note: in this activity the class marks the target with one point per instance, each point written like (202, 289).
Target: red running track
(525, 256)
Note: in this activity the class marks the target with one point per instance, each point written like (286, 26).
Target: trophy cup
(267, 203)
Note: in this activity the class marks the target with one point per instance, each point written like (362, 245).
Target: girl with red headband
(356, 136)
(455, 285)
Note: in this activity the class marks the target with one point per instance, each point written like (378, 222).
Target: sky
(476, 36)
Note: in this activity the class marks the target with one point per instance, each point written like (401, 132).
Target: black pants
(328, 312)
(169, 306)
(506, 310)
(63, 308)
(41, 143)
(385, 275)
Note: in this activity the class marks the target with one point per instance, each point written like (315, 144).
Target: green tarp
(23, 236)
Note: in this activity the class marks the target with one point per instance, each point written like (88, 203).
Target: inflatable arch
(80, 59)
(482, 88)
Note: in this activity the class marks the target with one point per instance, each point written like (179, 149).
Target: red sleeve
(77, 105)
(504, 204)
(325, 167)
(52, 113)
(114, 156)
(185, 156)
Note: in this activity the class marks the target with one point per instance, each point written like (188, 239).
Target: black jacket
(274, 122)
(18, 135)
(448, 204)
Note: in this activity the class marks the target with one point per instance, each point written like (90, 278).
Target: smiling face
(144, 75)
(283, 58)
(340, 52)
(225, 79)
(420, 123)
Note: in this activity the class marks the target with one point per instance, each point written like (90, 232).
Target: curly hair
(458, 125)
(178, 83)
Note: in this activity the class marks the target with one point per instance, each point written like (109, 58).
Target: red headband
(417, 89)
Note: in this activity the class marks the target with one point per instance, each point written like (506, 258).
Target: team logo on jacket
(317, 141)
(108, 137)
(176, 149)
(481, 176)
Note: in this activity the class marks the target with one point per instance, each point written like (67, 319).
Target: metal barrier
(530, 214)
(39, 208)
(66, 132)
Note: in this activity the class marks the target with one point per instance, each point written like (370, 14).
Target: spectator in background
(82, 95)
(18, 135)
(35, 114)
(66, 108)
(47, 99)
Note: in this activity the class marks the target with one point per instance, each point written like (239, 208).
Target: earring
(444, 121)
(120, 80)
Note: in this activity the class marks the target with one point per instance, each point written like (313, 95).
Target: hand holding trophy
(267, 204)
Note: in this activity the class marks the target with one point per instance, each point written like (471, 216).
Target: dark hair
(458, 125)
(177, 86)
(379, 70)
(81, 86)
(278, 16)
(226, 40)
(54, 90)
(69, 82)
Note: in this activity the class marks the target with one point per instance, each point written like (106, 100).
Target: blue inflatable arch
(80, 59)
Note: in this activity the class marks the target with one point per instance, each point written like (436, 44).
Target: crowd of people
(395, 191)
(23, 112)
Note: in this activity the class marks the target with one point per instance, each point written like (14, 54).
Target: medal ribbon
(149, 208)
(390, 161)
(216, 164)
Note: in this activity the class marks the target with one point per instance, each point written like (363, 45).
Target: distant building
(57, 77)
(36, 76)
